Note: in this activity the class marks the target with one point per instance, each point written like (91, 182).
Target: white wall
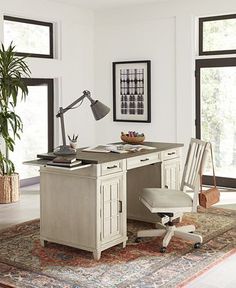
(163, 33)
(136, 41)
(73, 68)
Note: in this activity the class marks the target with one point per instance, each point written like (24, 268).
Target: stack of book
(65, 161)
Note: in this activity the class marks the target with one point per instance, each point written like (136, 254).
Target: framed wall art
(132, 91)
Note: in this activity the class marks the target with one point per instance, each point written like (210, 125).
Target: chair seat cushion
(166, 198)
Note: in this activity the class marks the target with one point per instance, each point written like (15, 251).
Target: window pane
(27, 37)
(219, 35)
(218, 120)
(34, 139)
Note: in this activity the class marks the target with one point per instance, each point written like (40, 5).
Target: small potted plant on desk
(12, 86)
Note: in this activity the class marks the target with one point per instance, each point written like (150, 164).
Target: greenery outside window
(30, 37)
(217, 35)
(215, 95)
(215, 115)
(38, 117)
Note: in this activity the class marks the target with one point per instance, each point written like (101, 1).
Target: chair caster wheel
(163, 249)
(197, 245)
(138, 240)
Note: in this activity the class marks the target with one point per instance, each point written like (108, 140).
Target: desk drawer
(143, 160)
(170, 154)
(111, 167)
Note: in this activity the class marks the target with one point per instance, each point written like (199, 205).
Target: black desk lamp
(99, 111)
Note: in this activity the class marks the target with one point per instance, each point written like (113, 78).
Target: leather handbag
(212, 195)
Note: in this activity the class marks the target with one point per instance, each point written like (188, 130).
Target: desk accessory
(132, 137)
(64, 164)
(65, 159)
(107, 149)
(99, 111)
(73, 141)
(120, 148)
(47, 156)
(98, 148)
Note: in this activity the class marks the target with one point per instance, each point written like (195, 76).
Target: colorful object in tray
(132, 137)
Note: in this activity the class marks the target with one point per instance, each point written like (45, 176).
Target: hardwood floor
(24, 210)
(210, 278)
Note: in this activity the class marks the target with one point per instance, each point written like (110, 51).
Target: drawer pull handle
(143, 160)
(120, 206)
(171, 153)
(112, 167)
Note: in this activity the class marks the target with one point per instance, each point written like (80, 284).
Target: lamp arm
(62, 110)
(86, 93)
(63, 133)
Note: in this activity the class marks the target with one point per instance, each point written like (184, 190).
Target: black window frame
(207, 63)
(35, 22)
(50, 84)
(213, 18)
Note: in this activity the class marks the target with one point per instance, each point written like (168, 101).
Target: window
(217, 35)
(31, 38)
(215, 95)
(215, 115)
(37, 137)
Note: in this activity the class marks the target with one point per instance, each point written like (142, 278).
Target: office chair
(166, 202)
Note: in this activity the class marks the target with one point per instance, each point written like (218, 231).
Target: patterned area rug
(24, 263)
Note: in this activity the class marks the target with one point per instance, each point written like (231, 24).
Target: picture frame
(132, 91)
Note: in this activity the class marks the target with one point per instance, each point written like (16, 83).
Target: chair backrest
(195, 159)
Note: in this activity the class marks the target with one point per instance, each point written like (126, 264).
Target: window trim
(34, 22)
(213, 18)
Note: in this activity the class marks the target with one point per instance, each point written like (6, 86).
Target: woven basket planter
(9, 189)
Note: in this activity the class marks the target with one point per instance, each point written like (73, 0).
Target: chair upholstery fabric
(166, 198)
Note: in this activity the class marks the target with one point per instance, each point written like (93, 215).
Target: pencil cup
(73, 144)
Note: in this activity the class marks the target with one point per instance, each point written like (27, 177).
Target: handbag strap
(213, 168)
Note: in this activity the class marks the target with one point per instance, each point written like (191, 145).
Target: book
(136, 148)
(99, 148)
(64, 159)
(64, 164)
(120, 148)
(47, 156)
(105, 149)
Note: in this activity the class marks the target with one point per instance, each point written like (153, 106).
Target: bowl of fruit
(132, 137)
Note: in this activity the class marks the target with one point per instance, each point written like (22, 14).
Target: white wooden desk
(88, 207)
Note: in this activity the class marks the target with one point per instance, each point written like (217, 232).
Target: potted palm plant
(13, 70)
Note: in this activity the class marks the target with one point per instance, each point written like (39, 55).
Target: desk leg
(96, 255)
(43, 242)
(124, 244)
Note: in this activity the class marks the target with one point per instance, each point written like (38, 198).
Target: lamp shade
(99, 110)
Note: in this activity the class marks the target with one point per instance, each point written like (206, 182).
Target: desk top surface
(98, 157)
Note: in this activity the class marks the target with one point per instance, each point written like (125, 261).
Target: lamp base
(64, 150)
